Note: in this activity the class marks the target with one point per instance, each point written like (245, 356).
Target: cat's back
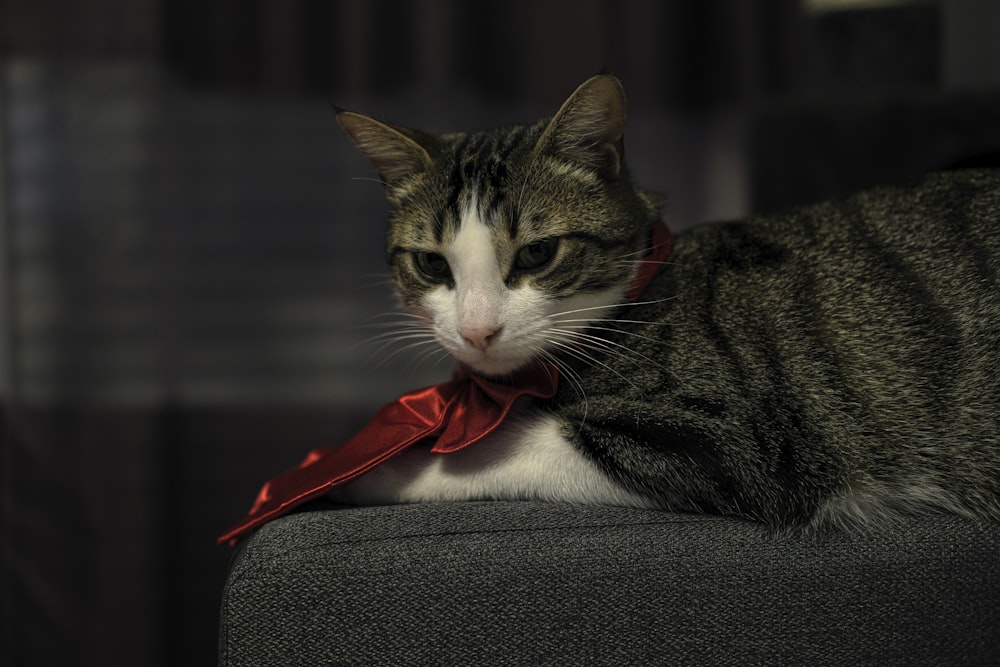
(950, 217)
(928, 254)
(894, 291)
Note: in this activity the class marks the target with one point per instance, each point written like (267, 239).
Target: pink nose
(480, 337)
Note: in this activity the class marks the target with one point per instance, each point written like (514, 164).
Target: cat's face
(509, 243)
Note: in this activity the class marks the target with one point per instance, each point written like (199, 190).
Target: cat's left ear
(589, 129)
(398, 154)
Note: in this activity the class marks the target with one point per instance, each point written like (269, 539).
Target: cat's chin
(492, 363)
(497, 368)
(496, 362)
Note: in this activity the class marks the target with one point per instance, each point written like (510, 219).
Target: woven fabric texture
(534, 583)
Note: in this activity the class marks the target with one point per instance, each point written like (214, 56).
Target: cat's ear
(590, 127)
(397, 153)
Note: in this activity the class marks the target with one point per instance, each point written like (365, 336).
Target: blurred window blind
(168, 245)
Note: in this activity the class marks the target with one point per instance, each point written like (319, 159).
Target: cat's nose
(480, 337)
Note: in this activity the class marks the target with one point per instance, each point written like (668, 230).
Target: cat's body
(836, 364)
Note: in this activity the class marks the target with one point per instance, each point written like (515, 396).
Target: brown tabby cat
(837, 364)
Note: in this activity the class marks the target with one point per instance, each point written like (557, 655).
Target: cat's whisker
(443, 355)
(401, 324)
(655, 262)
(636, 253)
(642, 252)
(579, 335)
(398, 313)
(590, 360)
(577, 382)
(590, 320)
(647, 303)
(404, 323)
(380, 357)
(380, 331)
(375, 284)
(388, 339)
(524, 183)
(611, 306)
(587, 358)
(393, 329)
(369, 178)
(630, 334)
(405, 348)
(431, 353)
(572, 376)
(643, 258)
(610, 348)
(373, 280)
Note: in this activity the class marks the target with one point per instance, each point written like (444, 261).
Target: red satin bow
(458, 413)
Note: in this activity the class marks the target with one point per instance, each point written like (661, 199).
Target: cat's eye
(433, 265)
(536, 255)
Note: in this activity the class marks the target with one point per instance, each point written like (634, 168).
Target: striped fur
(837, 365)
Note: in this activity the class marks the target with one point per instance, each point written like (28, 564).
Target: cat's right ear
(397, 154)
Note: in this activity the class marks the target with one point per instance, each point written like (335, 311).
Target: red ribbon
(458, 413)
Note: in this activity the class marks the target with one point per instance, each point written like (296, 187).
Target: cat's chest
(531, 455)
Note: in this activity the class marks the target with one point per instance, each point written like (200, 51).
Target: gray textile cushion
(532, 583)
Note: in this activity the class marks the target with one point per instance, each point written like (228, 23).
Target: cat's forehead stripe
(456, 186)
(480, 169)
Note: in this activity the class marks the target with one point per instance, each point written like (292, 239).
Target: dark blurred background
(188, 247)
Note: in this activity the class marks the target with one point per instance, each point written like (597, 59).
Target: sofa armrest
(537, 583)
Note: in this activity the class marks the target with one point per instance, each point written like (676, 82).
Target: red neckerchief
(458, 413)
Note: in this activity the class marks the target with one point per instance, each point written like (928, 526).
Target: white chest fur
(527, 458)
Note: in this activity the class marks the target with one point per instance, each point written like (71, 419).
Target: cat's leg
(527, 458)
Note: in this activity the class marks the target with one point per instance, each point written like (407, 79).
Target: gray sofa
(530, 583)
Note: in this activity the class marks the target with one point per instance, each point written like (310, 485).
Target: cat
(837, 365)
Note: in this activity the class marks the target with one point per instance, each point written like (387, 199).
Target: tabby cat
(836, 365)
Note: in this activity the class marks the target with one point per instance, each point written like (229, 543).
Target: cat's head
(509, 242)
